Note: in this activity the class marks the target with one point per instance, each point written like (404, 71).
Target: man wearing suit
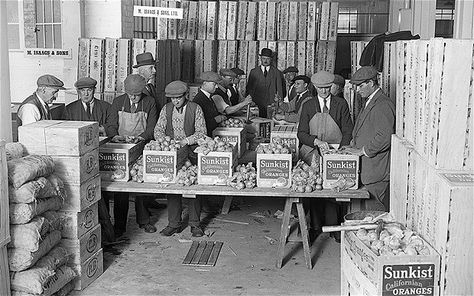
(146, 68)
(324, 120)
(222, 95)
(371, 138)
(292, 109)
(264, 82)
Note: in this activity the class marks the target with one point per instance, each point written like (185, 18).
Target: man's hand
(220, 118)
(354, 151)
(321, 144)
(247, 100)
(102, 131)
(183, 142)
(279, 116)
(118, 139)
(278, 98)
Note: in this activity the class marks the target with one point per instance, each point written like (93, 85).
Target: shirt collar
(371, 96)
(208, 95)
(41, 100)
(182, 109)
(265, 67)
(322, 100)
(92, 103)
(300, 94)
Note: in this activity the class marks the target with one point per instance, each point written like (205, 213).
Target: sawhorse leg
(226, 206)
(285, 226)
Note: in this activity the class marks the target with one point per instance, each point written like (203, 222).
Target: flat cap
(144, 59)
(238, 71)
(339, 80)
(210, 76)
(290, 69)
(134, 84)
(227, 72)
(266, 52)
(85, 82)
(322, 79)
(302, 77)
(50, 81)
(176, 88)
(363, 74)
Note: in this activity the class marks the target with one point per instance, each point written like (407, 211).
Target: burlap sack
(21, 259)
(58, 185)
(30, 191)
(30, 283)
(28, 168)
(28, 236)
(65, 290)
(56, 257)
(22, 213)
(14, 150)
(54, 220)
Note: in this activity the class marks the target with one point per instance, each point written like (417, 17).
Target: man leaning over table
(183, 121)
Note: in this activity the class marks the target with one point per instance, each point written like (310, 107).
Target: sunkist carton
(115, 160)
(335, 165)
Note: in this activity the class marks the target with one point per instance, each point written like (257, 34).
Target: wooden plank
(192, 20)
(215, 253)
(172, 23)
(293, 21)
(301, 57)
(272, 45)
(312, 21)
(304, 235)
(150, 46)
(209, 245)
(250, 27)
(271, 20)
(4, 213)
(176, 60)
(399, 162)
(96, 63)
(243, 56)
(191, 253)
(182, 23)
(210, 55)
(84, 57)
(310, 57)
(421, 114)
(284, 232)
(252, 56)
(231, 54)
(242, 20)
(283, 20)
(330, 64)
(198, 58)
(198, 253)
(211, 20)
(290, 53)
(262, 21)
(4, 272)
(222, 20)
(222, 54)
(302, 21)
(110, 62)
(333, 18)
(324, 21)
(202, 20)
(138, 46)
(232, 20)
(123, 66)
(281, 55)
(162, 23)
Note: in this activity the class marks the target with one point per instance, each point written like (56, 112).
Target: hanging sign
(158, 12)
(47, 52)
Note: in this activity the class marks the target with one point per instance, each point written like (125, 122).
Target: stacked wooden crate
(432, 180)
(73, 145)
(4, 224)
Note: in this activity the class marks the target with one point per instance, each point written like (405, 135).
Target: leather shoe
(169, 231)
(197, 231)
(148, 228)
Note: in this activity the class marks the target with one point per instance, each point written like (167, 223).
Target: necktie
(88, 109)
(133, 108)
(265, 72)
(325, 108)
(48, 112)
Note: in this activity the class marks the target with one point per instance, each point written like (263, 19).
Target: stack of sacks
(37, 263)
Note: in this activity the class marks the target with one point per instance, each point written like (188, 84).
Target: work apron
(325, 129)
(131, 124)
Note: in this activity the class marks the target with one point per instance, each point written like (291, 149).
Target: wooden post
(5, 113)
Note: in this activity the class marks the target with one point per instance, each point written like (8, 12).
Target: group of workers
(315, 103)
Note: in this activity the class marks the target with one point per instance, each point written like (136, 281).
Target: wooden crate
(250, 28)
(357, 47)
(110, 64)
(182, 23)
(81, 196)
(88, 271)
(387, 275)
(288, 134)
(211, 20)
(96, 59)
(262, 127)
(235, 135)
(157, 163)
(335, 165)
(4, 207)
(241, 20)
(4, 272)
(124, 66)
(324, 21)
(271, 167)
(293, 21)
(283, 18)
(215, 167)
(312, 30)
(77, 169)
(222, 20)
(192, 20)
(302, 20)
(262, 21)
(272, 8)
(83, 248)
(75, 224)
(118, 156)
(231, 20)
(202, 20)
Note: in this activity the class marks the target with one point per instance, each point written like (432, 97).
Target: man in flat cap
(146, 68)
(264, 82)
(223, 94)
(133, 114)
(236, 94)
(324, 120)
(204, 99)
(292, 109)
(36, 107)
(290, 73)
(87, 107)
(337, 88)
(183, 121)
(371, 137)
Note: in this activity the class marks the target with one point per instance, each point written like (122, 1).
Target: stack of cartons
(73, 145)
(432, 178)
(4, 224)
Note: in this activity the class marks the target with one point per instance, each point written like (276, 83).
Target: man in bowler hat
(146, 68)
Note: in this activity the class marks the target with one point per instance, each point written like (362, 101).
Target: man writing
(292, 109)
(222, 95)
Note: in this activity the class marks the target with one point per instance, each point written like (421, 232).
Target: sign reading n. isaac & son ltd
(161, 12)
(48, 52)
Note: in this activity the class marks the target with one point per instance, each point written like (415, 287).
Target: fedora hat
(144, 59)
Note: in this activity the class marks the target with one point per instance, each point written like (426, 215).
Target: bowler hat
(290, 69)
(85, 82)
(363, 74)
(302, 77)
(339, 80)
(322, 79)
(175, 89)
(238, 71)
(227, 72)
(134, 84)
(210, 76)
(50, 81)
(144, 59)
(266, 52)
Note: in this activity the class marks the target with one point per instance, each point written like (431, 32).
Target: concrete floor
(150, 264)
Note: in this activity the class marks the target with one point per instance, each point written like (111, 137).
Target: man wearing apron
(324, 120)
(133, 114)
